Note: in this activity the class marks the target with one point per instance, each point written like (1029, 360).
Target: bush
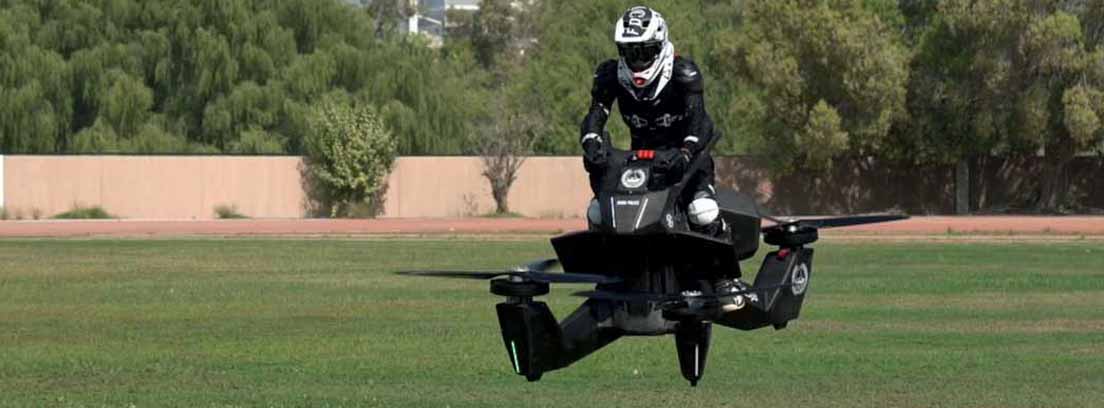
(228, 212)
(79, 212)
(349, 153)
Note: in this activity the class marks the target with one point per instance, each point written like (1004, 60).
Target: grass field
(324, 323)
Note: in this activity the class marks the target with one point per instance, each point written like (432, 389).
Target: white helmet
(647, 55)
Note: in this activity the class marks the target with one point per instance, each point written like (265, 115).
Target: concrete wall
(154, 187)
(453, 186)
(189, 187)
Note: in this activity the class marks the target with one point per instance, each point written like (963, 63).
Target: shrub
(349, 153)
(228, 212)
(80, 212)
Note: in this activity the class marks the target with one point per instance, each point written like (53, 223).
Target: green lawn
(324, 323)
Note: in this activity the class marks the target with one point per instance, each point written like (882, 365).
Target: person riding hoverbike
(660, 97)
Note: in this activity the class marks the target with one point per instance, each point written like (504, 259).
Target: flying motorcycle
(652, 272)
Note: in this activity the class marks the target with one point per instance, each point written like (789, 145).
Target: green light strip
(513, 347)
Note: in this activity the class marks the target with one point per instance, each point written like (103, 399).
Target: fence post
(962, 187)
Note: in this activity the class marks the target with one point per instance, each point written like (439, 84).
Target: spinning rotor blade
(540, 266)
(454, 274)
(570, 277)
(535, 271)
(852, 220)
(535, 276)
(626, 296)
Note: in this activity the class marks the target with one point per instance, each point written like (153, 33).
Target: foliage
(152, 76)
(228, 212)
(801, 82)
(828, 77)
(1013, 77)
(503, 144)
(81, 212)
(349, 153)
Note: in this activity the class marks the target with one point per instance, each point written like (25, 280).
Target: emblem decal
(633, 178)
(800, 279)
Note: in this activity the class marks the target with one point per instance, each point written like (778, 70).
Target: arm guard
(601, 100)
(699, 129)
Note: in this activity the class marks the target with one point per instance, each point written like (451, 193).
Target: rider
(660, 98)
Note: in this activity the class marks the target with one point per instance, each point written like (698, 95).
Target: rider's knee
(703, 210)
(594, 212)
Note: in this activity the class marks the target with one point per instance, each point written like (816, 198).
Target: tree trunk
(1054, 183)
(500, 192)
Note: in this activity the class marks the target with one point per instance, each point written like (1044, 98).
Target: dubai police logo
(633, 178)
(799, 279)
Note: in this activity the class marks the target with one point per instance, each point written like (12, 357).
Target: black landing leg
(692, 342)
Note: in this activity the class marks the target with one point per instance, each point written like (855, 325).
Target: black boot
(725, 286)
(716, 229)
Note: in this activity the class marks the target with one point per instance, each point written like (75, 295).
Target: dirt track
(917, 226)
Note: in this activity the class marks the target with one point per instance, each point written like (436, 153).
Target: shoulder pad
(688, 75)
(606, 72)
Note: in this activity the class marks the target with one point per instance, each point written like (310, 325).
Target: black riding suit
(674, 119)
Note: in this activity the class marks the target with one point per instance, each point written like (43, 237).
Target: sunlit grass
(325, 323)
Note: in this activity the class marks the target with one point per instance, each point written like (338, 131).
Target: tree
(503, 145)
(827, 78)
(349, 153)
(1013, 77)
(210, 76)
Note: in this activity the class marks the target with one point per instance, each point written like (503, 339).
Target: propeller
(534, 271)
(833, 222)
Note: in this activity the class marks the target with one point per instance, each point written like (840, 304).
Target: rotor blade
(626, 296)
(541, 265)
(454, 274)
(570, 277)
(768, 217)
(851, 220)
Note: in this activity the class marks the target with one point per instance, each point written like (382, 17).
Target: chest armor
(657, 123)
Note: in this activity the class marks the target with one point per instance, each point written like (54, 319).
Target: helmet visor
(639, 56)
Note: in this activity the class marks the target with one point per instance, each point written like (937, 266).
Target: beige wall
(453, 186)
(189, 187)
(154, 187)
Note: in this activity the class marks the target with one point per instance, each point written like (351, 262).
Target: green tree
(828, 78)
(216, 76)
(1010, 77)
(349, 153)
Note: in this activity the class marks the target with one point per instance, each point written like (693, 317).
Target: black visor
(639, 56)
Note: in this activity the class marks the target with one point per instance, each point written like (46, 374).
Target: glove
(595, 156)
(673, 162)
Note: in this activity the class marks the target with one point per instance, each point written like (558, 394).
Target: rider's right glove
(595, 156)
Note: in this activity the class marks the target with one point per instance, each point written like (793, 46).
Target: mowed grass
(325, 323)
